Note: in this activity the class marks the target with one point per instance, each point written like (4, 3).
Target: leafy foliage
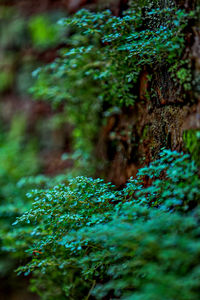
(90, 239)
(81, 93)
(146, 251)
(122, 47)
(101, 65)
(84, 238)
(172, 183)
(84, 202)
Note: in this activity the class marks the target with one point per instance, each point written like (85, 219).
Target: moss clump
(191, 140)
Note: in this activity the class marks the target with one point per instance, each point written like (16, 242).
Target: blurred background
(33, 136)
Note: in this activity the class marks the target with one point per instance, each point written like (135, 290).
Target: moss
(191, 140)
(6, 80)
(145, 132)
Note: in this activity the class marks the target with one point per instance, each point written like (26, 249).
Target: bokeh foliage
(18, 159)
(20, 146)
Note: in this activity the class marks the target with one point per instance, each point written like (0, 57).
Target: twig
(93, 285)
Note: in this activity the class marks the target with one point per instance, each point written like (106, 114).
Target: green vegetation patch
(88, 238)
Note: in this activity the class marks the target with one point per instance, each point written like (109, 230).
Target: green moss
(191, 140)
(145, 132)
(6, 80)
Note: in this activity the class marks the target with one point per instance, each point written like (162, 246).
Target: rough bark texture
(140, 132)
